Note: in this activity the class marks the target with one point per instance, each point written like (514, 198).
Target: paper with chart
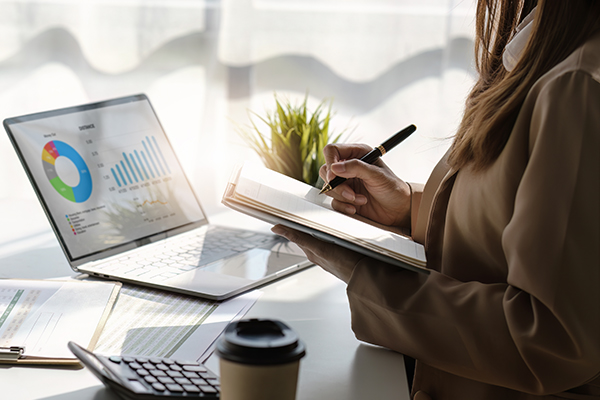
(155, 323)
(269, 192)
(43, 316)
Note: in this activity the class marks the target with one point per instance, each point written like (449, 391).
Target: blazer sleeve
(538, 332)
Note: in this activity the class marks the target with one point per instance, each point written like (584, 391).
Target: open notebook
(278, 199)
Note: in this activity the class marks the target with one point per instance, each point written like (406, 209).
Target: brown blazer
(511, 309)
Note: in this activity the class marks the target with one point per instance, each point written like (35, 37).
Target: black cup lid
(260, 342)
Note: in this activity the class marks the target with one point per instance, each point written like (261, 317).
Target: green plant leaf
(295, 137)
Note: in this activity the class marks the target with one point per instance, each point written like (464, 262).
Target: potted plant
(293, 140)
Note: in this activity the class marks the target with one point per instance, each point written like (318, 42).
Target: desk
(312, 302)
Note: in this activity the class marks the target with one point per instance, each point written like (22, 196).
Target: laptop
(122, 208)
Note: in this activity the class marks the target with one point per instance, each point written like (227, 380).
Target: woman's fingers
(343, 207)
(323, 172)
(334, 153)
(301, 239)
(314, 249)
(357, 169)
(342, 151)
(333, 258)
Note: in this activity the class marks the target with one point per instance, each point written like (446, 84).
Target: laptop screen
(105, 172)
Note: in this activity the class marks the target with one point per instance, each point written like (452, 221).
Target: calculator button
(199, 381)
(162, 367)
(186, 362)
(138, 387)
(150, 379)
(156, 360)
(207, 389)
(142, 372)
(135, 365)
(168, 362)
(115, 359)
(191, 389)
(158, 372)
(175, 367)
(148, 366)
(165, 380)
(128, 359)
(174, 374)
(141, 360)
(194, 368)
(173, 387)
(159, 386)
(183, 381)
(190, 375)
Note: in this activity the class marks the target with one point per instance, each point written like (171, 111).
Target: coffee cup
(259, 359)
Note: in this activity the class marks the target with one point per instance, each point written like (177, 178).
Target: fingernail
(278, 230)
(338, 167)
(360, 200)
(348, 195)
(350, 210)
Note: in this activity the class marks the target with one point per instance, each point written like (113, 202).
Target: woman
(509, 219)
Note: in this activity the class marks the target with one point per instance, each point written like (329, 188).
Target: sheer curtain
(384, 63)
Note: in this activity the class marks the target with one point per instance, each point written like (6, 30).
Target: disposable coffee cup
(259, 359)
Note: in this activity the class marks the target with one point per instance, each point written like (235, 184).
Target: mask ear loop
(410, 209)
(514, 48)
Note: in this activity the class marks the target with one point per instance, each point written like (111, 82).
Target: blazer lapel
(434, 241)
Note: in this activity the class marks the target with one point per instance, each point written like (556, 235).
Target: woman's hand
(331, 257)
(372, 191)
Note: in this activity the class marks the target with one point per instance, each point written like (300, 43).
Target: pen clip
(11, 352)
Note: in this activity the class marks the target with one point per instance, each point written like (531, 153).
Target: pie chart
(52, 151)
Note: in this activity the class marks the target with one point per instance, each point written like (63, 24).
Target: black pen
(374, 154)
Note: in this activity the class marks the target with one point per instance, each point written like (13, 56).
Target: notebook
(122, 208)
(273, 197)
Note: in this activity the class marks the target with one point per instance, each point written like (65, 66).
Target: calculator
(140, 378)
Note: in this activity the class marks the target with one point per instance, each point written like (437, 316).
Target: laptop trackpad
(238, 273)
(254, 264)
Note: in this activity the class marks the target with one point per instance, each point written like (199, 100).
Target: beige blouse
(511, 309)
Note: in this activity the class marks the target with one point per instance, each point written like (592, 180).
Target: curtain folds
(204, 63)
(113, 36)
(357, 40)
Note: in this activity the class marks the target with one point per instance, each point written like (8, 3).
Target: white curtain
(385, 64)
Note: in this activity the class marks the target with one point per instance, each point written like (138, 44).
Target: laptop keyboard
(187, 253)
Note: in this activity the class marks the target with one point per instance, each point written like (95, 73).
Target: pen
(374, 154)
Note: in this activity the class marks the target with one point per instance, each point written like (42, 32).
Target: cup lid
(260, 342)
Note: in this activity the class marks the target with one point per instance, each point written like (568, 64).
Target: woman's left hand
(331, 257)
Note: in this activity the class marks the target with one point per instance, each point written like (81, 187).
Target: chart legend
(71, 225)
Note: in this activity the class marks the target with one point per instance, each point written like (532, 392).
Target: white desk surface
(312, 302)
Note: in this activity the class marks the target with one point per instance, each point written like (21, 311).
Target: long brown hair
(560, 26)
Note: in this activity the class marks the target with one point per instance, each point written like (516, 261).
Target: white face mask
(514, 48)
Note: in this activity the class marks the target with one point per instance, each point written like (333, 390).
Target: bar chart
(139, 166)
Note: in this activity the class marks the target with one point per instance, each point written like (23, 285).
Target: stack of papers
(38, 318)
(155, 323)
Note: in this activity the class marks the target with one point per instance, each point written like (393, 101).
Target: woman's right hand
(372, 191)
